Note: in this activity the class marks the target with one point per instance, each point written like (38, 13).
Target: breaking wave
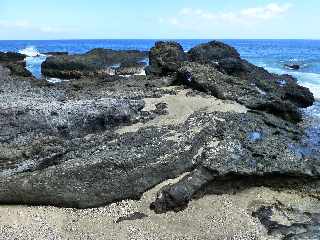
(31, 52)
(34, 60)
(309, 80)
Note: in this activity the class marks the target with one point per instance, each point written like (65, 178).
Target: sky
(165, 19)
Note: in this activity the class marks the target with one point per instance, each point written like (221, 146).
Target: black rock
(56, 53)
(11, 57)
(283, 102)
(15, 62)
(95, 63)
(93, 141)
(165, 58)
(217, 69)
(292, 66)
(212, 52)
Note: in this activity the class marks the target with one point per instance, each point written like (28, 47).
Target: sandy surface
(226, 216)
(181, 106)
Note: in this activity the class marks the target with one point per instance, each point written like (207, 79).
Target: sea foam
(308, 80)
(34, 60)
(31, 51)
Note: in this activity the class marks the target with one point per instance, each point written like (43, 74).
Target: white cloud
(270, 11)
(193, 17)
(26, 25)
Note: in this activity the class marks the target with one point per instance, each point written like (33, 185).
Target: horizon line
(159, 39)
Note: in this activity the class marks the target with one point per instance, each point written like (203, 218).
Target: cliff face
(207, 115)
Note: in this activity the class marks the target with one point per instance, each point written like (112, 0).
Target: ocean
(270, 54)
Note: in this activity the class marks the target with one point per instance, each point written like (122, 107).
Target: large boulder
(97, 62)
(213, 51)
(165, 58)
(227, 60)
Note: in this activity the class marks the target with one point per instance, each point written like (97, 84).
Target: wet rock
(292, 66)
(165, 58)
(95, 63)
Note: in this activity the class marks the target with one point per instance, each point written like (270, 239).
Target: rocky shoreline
(207, 118)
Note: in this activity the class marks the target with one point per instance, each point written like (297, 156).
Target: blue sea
(270, 54)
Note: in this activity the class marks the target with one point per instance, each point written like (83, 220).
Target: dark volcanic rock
(11, 57)
(217, 69)
(292, 66)
(112, 167)
(280, 101)
(165, 58)
(298, 224)
(212, 52)
(15, 62)
(56, 53)
(97, 140)
(95, 63)
(243, 145)
(68, 118)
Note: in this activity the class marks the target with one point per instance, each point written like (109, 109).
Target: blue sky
(218, 19)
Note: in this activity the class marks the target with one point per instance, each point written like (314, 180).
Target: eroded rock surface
(217, 69)
(208, 116)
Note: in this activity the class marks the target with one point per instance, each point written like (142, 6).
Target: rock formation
(207, 115)
(95, 63)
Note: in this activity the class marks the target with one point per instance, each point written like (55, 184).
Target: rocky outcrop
(93, 141)
(165, 58)
(212, 52)
(282, 101)
(55, 53)
(67, 117)
(217, 69)
(95, 63)
(15, 62)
